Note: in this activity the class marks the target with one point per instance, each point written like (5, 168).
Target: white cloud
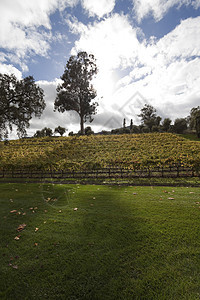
(9, 69)
(158, 8)
(113, 41)
(183, 41)
(25, 27)
(97, 7)
(165, 71)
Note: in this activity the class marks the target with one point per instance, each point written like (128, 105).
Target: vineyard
(120, 154)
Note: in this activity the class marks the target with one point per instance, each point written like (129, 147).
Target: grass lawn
(99, 242)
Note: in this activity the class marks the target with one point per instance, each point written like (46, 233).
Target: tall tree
(194, 119)
(180, 125)
(166, 124)
(19, 101)
(76, 91)
(148, 116)
(131, 124)
(124, 123)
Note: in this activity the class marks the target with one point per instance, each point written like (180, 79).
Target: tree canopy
(194, 119)
(148, 116)
(19, 101)
(76, 91)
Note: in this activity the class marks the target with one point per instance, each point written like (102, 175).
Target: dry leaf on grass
(17, 238)
(36, 229)
(75, 208)
(21, 227)
(170, 198)
(13, 211)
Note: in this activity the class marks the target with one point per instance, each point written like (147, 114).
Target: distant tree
(60, 130)
(124, 123)
(71, 133)
(131, 124)
(155, 128)
(88, 130)
(180, 125)
(148, 117)
(76, 91)
(194, 120)
(135, 129)
(44, 132)
(157, 121)
(20, 100)
(166, 124)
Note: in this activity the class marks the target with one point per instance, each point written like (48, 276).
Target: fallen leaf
(45, 222)
(170, 198)
(24, 214)
(36, 229)
(75, 208)
(134, 193)
(35, 208)
(17, 238)
(45, 211)
(60, 211)
(21, 227)
(13, 211)
(191, 192)
(35, 244)
(15, 267)
(31, 208)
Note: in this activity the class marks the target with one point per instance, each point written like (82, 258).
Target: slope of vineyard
(95, 152)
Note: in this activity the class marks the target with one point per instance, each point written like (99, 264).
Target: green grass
(121, 242)
(190, 136)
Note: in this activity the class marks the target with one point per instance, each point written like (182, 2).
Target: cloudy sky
(147, 51)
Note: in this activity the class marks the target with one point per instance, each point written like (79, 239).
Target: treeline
(151, 122)
(20, 100)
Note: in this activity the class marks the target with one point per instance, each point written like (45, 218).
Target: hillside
(95, 152)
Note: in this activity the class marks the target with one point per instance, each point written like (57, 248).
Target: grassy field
(99, 242)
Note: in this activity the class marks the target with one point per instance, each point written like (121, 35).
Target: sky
(147, 52)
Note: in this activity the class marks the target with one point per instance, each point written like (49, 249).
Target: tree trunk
(82, 125)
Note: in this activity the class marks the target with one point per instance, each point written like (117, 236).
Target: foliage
(194, 120)
(124, 123)
(180, 125)
(131, 124)
(166, 124)
(88, 130)
(148, 116)
(20, 101)
(60, 130)
(76, 91)
(44, 132)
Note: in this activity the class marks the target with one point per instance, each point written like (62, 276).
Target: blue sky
(147, 51)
